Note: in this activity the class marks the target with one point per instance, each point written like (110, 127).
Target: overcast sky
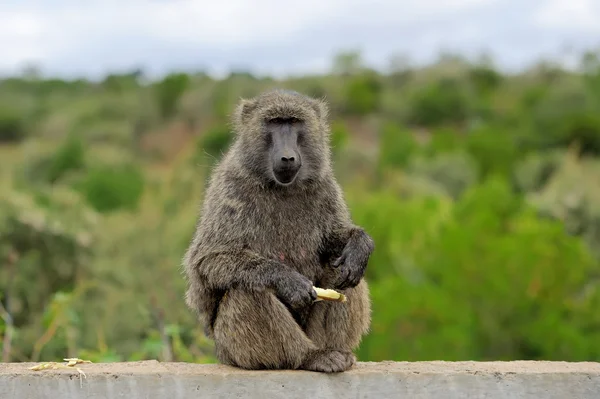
(91, 38)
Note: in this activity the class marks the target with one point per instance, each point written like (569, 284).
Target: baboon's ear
(243, 111)
(321, 109)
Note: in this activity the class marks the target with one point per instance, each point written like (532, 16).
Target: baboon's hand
(295, 290)
(353, 262)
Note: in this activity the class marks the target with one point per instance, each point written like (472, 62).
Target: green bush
(454, 171)
(396, 146)
(46, 242)
(70, 156)
(572, 196)
(51, 166)
(568, 115)
(110, 188)
(493, 150)
(483, 279)
(12, 125)
(363, 94)
(442, 102)
(339, 137)
(534, 171)
(443, 140)
(215, 142)
(484, 79)
(169, 91)
(582, 128)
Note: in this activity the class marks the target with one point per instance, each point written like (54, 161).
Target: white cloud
(19, 37)
(574, 15)
(68, 36)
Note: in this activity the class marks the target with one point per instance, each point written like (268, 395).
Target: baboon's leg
(256, 331)
(339, 326)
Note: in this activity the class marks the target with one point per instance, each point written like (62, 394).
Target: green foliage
(169, 91)
(70, 156)
(121, 82)
(487, 229)
(485, 79)
(486, 280)
(568, 115)
(454, 171)
(110, 188)
(362, 94)
(347, 62)
(443, 140)
(572, 195)
(396, 146)
(221, 100)
(442, 102)
(215, 142)
(494, 150)
(45, 244)
(12, 124)
(339, 137)
(534, 171)
(582, 128)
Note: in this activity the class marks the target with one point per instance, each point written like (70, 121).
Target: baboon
(274, 223)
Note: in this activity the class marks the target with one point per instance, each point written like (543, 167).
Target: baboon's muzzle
(286, 168)
(286, 159)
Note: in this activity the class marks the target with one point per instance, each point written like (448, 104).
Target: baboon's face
(284, 136)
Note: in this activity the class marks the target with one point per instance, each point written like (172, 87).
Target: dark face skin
(284, 153)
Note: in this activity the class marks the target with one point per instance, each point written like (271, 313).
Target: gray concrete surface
(151, 379)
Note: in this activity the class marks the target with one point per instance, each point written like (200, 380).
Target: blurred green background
(480, 188)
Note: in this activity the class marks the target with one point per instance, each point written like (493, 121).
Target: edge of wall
(439, 379)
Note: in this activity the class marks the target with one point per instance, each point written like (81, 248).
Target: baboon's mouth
(285, 176)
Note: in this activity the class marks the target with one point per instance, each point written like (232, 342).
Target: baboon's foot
(329, 361)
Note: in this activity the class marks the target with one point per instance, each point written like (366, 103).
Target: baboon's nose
(288, 159)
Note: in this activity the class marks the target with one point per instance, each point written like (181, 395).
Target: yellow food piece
(329, 295)
(73, 361)
(54, 365)
(70, 363)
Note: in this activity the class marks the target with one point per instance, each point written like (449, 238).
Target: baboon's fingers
(339, 261)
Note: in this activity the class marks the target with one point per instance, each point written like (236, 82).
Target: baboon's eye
(283, 121)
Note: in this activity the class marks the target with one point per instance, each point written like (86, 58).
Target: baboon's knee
(341, 325)
(256, 331)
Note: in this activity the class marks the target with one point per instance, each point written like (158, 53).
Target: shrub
(12, 125)
(51, 166)
(442, 102)
(485, 79)
(363, 94)
(443, 140)
(454, 171)
(110, 188)
(571, 195)
(534, 171)
(483, 279)
(169, 91)
(339, 137)
(70, 156)
(494, 151)
(215, 142)
(565, 116)
(396, 146)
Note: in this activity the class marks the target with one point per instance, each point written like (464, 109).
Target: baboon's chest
(290, 231)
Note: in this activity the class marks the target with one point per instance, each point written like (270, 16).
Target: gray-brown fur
(260, 246)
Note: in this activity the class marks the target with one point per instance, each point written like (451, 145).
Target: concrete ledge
(151, 379)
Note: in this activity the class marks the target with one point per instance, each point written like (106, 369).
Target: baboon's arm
(230, 268)
(343, 232)
(346, 246)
